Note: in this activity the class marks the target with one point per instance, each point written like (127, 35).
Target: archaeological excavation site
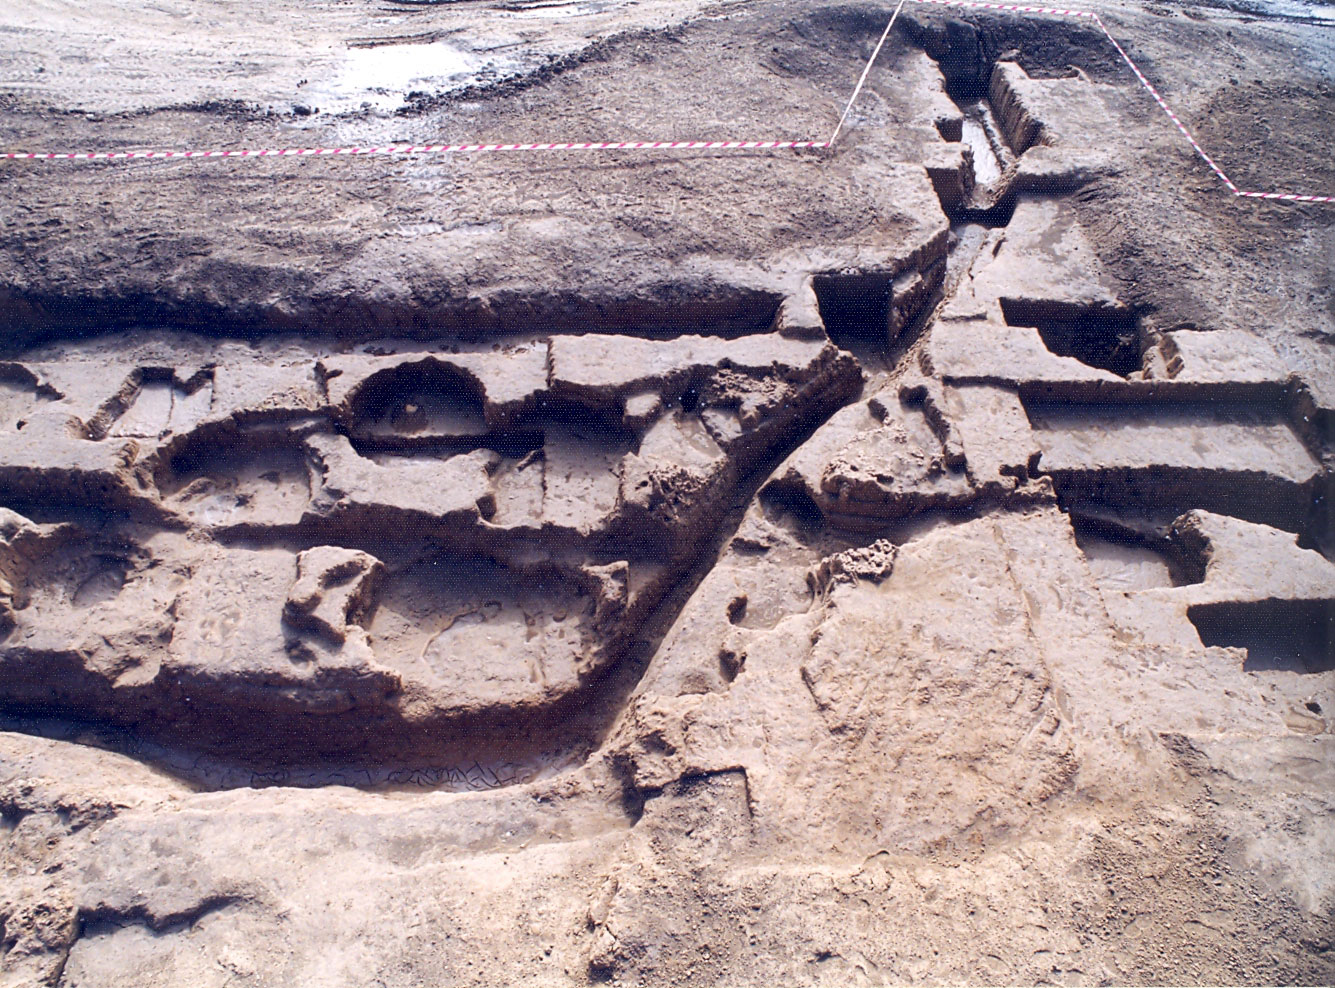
(732, 556)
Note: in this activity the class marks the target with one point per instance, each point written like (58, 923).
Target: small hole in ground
(992, 217)
(780, 498)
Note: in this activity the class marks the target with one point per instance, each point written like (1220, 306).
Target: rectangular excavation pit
(1239, 459)
(1125, 561)
(495, 638)
(855, 308)
(230, 479)
(1279, 635)
(867, 310)
(1103, 337)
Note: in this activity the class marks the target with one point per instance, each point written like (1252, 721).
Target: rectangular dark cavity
(1279, 635)
(1106, 338)
(1231, 458)
(951, 129)
(855, 308)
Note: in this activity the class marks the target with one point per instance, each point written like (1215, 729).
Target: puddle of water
(981, 133)
(561, 9)
(986, 167)
(385, 74)
(1298, 9)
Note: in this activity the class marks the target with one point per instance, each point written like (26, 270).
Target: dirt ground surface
(907, 562)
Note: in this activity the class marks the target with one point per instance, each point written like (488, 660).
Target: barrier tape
(1011, 7)
(865, 72)
(1163, 105)
(427, 149)
(691, 145)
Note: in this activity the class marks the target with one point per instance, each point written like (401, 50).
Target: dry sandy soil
(903, 563)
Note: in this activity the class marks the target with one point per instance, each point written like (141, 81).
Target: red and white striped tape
(1058, 11)
(1163, 105)
(681, 145)
(426, 149)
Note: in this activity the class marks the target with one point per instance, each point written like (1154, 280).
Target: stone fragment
(873, 563)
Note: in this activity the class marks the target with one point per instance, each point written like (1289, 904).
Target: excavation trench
(1279, 635)
(221, 729)
(1158, 459)
(671, 310)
